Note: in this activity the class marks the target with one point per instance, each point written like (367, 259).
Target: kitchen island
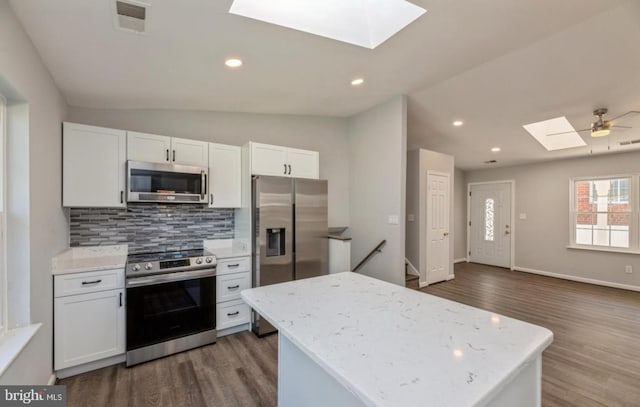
(351, 340)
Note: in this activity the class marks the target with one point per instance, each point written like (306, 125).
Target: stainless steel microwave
(156, 182)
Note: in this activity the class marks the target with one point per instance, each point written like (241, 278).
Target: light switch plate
(523, 216)
(394, 220)
(411, 217)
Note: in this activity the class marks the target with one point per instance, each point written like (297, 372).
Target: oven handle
(170, 277)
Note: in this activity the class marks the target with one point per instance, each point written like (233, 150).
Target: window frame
(3, 244)
(634, 216)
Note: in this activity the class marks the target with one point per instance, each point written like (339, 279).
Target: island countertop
(393, 346)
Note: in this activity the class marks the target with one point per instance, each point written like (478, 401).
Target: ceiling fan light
(600, 133)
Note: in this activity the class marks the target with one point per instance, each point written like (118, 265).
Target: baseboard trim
(578, 279)
(422, 284)
(87, 367)
(451, 277)
(410, 269)
(461, 260)
(52, 380)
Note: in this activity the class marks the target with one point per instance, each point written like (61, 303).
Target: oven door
(168, 309)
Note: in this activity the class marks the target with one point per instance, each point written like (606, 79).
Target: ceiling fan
(601, 127)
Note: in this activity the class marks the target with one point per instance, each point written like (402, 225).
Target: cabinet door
(268, 160)
(88, 327)
(190, 152)
(148, 147)
(304, 163)
(93, 166)
(224, 176)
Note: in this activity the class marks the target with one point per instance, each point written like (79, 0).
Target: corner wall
(377, 169)
(542, 192)
(459, 215)
(25, 79)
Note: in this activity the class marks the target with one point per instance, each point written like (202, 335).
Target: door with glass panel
(490, 224)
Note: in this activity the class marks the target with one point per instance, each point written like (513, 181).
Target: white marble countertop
(90, 258)
(393, 346)
(226, 248)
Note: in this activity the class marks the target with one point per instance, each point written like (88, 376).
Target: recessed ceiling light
(495, 149)
(233, 63)
(458, 123)
(357, 82)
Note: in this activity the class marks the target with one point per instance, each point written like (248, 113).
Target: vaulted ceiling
(496, 64)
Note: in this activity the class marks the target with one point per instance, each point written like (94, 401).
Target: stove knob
(136, 267)
(208, 259)
(198, 261)
(149, 266)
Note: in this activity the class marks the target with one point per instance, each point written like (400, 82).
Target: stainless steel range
(171, 303)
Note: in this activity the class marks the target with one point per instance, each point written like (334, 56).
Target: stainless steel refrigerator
(289, 233)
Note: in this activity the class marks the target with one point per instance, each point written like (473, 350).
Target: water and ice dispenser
(275, 242)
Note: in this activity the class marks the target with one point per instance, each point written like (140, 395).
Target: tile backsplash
(150, 227)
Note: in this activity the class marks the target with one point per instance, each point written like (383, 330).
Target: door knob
(445, 234)
(506, 232)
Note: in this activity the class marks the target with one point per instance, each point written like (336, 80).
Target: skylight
(367, 23)
(546, 134)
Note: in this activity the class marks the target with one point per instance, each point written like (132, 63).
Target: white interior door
(490, 227)
(437, 227)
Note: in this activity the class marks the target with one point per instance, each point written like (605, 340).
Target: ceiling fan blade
(568, 132)
(625, 114)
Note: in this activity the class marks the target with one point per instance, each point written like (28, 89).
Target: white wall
(459, 215)
(324, 134)
(377, 164)
(419, 162)
(24, 78)
(412, 227)
(542, 192)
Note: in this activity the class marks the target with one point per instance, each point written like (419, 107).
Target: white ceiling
(497, 64)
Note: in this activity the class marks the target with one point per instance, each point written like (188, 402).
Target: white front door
(490, 227)
(437, 228)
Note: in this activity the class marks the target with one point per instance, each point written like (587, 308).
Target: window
(619, 191)
(604, 212)
(3, 260)
(488, 219)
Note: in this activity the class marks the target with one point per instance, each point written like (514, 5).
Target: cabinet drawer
(232, 313)
(89, 282)
(235, 265)
(228, 286)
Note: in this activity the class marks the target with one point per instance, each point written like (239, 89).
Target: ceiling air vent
(131, 15)
(629, 142)
(491, 162)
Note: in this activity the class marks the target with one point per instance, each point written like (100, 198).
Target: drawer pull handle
(233, 314)
(233, 287)
(232, 266)
(91, 282)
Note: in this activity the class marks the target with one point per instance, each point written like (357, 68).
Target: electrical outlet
(628, 269)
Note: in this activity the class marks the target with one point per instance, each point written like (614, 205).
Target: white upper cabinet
(268, 160)
(304, 163)
(224, 176)
(162, 149)
(93, 166)
(283, 161)
(148, 147)
(189, 152)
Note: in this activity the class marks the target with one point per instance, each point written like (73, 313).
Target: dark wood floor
(593, 361)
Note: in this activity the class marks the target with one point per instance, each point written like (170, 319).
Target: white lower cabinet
(234, 275)
(88, 326)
